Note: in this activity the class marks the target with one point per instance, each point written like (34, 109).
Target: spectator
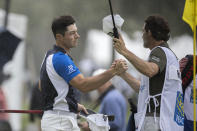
(186, 68)
(4, 118)
(36, 103)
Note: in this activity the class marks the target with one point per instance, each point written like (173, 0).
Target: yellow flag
(189, 14)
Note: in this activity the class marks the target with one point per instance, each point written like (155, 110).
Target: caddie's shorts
(150, 124)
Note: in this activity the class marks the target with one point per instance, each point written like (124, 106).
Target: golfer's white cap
(108, 24)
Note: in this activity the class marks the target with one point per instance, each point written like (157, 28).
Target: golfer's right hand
(82, 108)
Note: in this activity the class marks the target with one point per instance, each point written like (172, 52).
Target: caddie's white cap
(108, 24)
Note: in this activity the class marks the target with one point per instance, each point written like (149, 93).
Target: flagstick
(194, 65)
(194, 78)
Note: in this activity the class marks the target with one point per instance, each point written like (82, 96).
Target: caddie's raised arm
(145, 67)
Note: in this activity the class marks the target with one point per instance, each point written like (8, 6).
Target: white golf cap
(108, 24)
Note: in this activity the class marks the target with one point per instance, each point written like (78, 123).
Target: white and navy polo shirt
(56, 72)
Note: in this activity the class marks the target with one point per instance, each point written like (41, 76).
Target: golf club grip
(115, 30)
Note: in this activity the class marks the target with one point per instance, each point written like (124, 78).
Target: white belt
(58, 112)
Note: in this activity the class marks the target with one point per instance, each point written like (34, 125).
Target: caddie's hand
(120, 66)
(82, 108)
(119, 45)
(113, 64)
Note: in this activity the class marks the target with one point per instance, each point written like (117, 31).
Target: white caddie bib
(171, 108)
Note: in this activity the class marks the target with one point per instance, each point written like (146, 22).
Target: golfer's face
(71, 36)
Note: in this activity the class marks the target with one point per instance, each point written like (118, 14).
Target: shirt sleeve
(158, 57)
(64, 66)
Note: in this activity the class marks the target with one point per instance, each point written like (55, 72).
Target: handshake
(119, 66)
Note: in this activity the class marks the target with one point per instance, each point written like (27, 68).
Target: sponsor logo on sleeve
(142, 87)
(155, 58)
(71, 69)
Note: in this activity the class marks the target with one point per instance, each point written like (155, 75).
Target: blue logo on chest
(142, 87)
